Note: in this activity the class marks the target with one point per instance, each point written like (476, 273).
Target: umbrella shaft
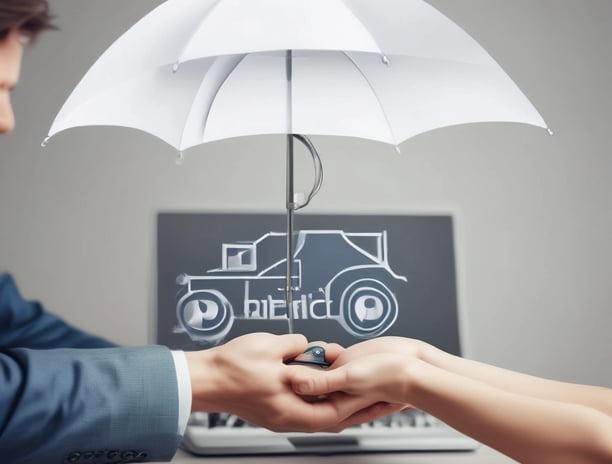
(290, 212)
(290, 192)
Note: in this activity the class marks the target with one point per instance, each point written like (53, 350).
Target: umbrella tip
(398, 150)
(386, 60)
(550, 131)
(175, 66)
(45, 142)
(180, 158)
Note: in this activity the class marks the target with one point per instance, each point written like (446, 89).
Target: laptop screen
(354, 277)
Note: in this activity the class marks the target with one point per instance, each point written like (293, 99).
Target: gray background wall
(533, 212)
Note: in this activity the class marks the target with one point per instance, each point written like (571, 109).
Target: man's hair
(30, 17)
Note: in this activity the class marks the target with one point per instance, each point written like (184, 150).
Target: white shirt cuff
(183, 381)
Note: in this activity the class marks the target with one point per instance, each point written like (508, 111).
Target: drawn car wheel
(368, 308)
(205, 315)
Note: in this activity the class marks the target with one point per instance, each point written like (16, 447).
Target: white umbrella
(435, 74)
(193, 71)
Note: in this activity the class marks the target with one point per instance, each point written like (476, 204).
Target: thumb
(320, 382)
(291, 345)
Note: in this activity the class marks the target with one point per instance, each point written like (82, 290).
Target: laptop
(357, 277)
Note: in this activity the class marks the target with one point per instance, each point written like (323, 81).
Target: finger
(319, 382)
(368, 414)
(332, 351)
(328, 413)
(290, 345)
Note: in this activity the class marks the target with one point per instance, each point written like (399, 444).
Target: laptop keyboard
(407, 418)
(409, 430)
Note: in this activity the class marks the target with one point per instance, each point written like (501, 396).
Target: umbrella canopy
(194, 71)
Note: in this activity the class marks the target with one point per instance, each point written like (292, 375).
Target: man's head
(20, 23)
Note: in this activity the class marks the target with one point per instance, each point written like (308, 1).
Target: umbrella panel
(333, 93)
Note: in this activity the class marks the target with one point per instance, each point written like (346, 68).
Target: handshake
(253, 377)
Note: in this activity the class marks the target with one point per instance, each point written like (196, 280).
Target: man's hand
(248, 377)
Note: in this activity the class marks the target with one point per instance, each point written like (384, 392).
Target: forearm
(599, 398)
(526, 428)
(107, 403)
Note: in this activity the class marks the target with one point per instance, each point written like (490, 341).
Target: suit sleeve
(25, 324)
(99, 405)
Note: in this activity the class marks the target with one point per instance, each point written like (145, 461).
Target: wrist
(432, 355)
(412, 380)
(203, 379)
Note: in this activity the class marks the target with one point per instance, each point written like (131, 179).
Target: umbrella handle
(318, 169)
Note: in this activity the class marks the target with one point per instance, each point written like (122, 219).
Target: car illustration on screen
(337, 275)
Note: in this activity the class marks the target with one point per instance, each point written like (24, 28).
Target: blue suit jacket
(60, 403)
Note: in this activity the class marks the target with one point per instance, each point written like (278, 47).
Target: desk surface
(483, 455)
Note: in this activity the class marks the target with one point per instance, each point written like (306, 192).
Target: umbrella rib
(204, 18)
(212, 100)
(364, 26)
(380, 105)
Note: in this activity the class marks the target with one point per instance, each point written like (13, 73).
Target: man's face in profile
(11, 50)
